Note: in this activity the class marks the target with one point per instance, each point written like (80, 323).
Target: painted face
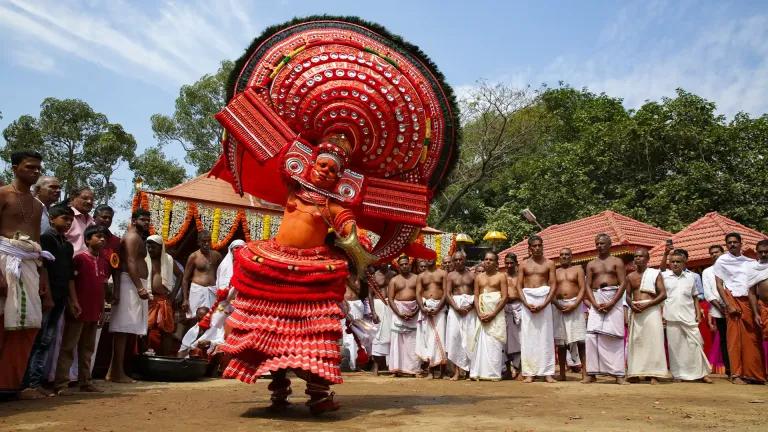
(324, 173)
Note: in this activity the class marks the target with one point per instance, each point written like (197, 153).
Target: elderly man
(163, 277)
(81, 201)
(48, 191)
(199, 283)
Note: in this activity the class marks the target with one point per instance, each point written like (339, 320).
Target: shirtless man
(488, 345)
(513, 312)
(569, 322)
(459, 288)
(20, 215)
(605, 324)
(536, 287)
(199, 282)
(430, 335)
(447, 264)
(164, 277)
(381, 314)
(421, 266)
(129, 305)
(645, 345)
(402, 300)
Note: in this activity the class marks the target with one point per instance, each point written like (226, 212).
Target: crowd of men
(486, 324)
(62, 269)
(64, 274)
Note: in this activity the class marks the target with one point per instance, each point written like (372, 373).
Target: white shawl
(227, 266)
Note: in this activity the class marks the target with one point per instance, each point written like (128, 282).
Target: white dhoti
(130, 314)
(568, 327)
(605, 336)
(22, 307)
(381, 341)
(687, 360)
(645, 346)
(486, 346)
(458, 329)
(402, 353)
(537, 353)
(358, 332)
(513, 313)
(430, 334)
(200, 296)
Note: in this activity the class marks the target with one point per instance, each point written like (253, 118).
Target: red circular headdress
(309, 79)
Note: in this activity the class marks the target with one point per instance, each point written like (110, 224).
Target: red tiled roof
(216, 192)
(710, 230)
(579, 236)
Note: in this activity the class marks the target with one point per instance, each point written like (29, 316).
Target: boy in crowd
(86, 303)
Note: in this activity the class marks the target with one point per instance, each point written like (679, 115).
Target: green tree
(79, 145)
(192, 124)
(157, 171)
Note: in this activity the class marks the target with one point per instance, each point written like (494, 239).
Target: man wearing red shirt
(86, 303)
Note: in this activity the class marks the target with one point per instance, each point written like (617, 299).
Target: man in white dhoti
(405, 309)
(645, 346)
(570, 326)
(381, 314)
(486, 346)
(130, 308)
(199, 282)
(536, 287)
(462, 319)
(687, 360)
(430, 333)
(357, 333)
(513, 315)
(717, 321)
(605, 323)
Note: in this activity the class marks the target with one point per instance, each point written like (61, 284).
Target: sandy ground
(394, 404)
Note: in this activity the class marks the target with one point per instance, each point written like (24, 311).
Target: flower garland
(274, 225)
(181, 219)
(167, 207)
(253, 225)
(227, 219)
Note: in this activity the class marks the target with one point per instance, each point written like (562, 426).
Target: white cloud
(174, 43)
(32, 59)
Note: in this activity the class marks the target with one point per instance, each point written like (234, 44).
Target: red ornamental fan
(309, 78)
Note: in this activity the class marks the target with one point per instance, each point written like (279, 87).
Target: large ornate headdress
(353, 90)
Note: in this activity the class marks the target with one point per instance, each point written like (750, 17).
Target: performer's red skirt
(287, 313)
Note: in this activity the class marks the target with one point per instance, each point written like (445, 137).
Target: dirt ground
(378, 403)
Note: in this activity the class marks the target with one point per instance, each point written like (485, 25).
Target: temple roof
(216, 192)
(709, 230)
(579, 236)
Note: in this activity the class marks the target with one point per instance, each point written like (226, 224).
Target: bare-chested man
(645, 346)
(164, 277)
(129, 306)
(536, 287)
(405, 309)
(462, 319)
(570, 326)
(430, 333)
(20, 215)
(487, 350)
(605, 324)
(447, 264)
(199, 283)
(381, 314)
(513, 312)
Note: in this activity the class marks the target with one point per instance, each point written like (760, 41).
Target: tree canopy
(666, 163)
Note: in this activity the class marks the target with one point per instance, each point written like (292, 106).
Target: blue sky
(127, 59)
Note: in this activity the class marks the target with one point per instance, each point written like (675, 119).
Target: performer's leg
(281, 389)
(320, 396)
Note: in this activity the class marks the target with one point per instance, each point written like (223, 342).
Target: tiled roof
(216, 192)
(579, 236)
(710, 230)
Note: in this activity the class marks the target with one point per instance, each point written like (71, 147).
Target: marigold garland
(215, 228)
(190, 215)
(167, 206)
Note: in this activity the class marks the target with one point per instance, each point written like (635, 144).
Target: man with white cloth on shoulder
(687, 360)
(570, 327)
(462, 319)
(513, 315)
(645, 347)
(430, 333)
(605, 323)
(381, 315)
(226, 270)
(486, 346)
(199, 283)
(536, 287)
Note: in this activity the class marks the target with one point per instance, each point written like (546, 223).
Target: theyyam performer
(348, 127)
